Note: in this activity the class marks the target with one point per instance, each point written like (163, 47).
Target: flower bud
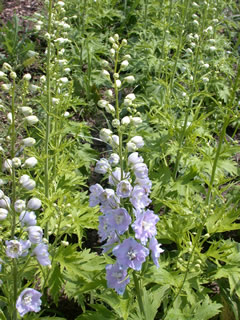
(5, 202)
(115, 46)
(105, 63)
(27, 111)
(105, 135)
(30, 162)
(28, 218)
(105, 73)
(35, 234)
(102, 103)
(16, 162)
(6, 66)
(125, 121)
(127, 57)
(34, 204)
(3, 214)
(112, 52)
(111, 40)
(138, 141)
(129, 79)
(109, 93)
(6, 87)
(13, 75)
(27, 77)
(66, 114)
(1, 194)
(31, 120)
(115, 141)
(131, 147)
(115, 123)
(9, 117)
(116, 75)
(64, 80)
(110, 108)
(7, 165)
(19, 205)
(124, 64)
(118, 83)
(114, 159)
(116, 37)
(2, 74)
(29, 142)
(102, 166)
(124, 42)
(136, 120)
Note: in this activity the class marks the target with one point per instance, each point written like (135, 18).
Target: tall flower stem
(190, 100)
(179, 46)
(13, 141)
(49, 105)
(139, 294)
(118, 114)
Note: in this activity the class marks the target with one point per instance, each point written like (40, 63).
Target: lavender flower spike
(130, 254)
(28, 300)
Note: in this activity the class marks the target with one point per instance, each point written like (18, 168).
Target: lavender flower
(28, 218)
(134, 159)
(104, 229)
(130, 254)
(140, 170)
(124, 189)
(42, 255)
(117, 277)
(35, 234)
(28, 300)
(16, 249)
(145, 226)
(119, 220)
(102, 166)
(139, 198)
(96, 191)
(146, 184)
(112, 239)
(154, 246)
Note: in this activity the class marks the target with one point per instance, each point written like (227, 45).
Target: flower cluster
(126, 225)
(20, 212)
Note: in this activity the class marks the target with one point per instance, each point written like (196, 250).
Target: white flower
(19, 205)
(55, 101)
(35, 234)
(66, 114)
(189, 51)
(62, 62)
(131, 96)
(31, 120)
(27, 183)
(116, 37)
(196, 22)
(110, 108)
(206, 65)
(26, 111)
(34, 204)
(124, 42)
(102, 103)
(134, 159)
(112, 52)
(2, 74)
(127, 57)
(6, 66)
(138, 141)
(3, 214)
(105, 63)
(30, 162)
(109, 93)
(212, 48)
(13, 75)
(111, 40)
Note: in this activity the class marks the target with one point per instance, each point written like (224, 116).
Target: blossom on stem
(119, 220)
(130, 254)
(116, 277)
(42, 255)
(154, 246)
(28, 301)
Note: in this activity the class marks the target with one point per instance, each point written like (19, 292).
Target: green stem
(13, 141)
(14, 315)
(48, 119)
(179, 47)
(139, 294)
(165, 29)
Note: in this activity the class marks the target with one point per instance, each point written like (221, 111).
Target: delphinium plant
(23, 249)
(127, 225)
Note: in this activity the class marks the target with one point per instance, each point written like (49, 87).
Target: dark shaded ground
(22, 8)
